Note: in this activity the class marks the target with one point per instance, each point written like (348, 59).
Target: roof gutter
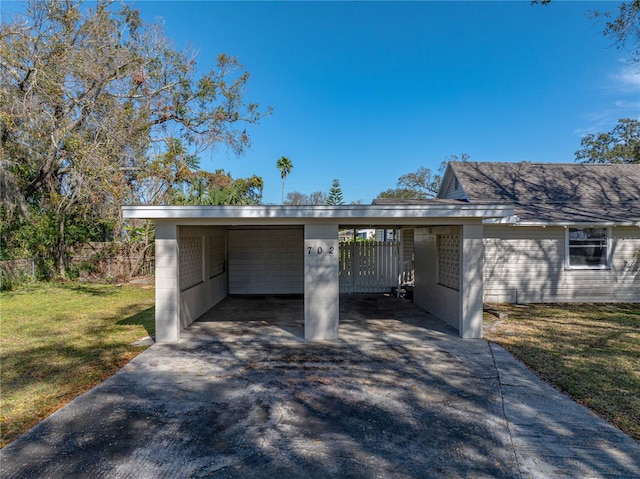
(517, 222)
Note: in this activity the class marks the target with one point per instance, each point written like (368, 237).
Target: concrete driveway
(399, 396)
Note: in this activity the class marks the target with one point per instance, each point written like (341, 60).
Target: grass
(589, 351)
(58, 340)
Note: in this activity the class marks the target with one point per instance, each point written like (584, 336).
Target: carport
(204, 253)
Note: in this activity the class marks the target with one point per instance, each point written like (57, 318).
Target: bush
(45, 269)
(7, 282)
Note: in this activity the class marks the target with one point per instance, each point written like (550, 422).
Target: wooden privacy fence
(369, 266)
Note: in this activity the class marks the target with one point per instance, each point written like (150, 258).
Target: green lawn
(58, 340)
(590, 351)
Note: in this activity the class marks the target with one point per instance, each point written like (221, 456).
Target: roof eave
(563, 223)
(346, 212)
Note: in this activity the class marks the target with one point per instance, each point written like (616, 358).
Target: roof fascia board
(560, 223)
(343, 223)
(358, 213)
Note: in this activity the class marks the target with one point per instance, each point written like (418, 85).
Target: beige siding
(450, 191)
(526, 264)
(266, 261)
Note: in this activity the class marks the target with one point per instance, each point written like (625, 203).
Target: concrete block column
(471, 264)
(167, 282)
(321, 282)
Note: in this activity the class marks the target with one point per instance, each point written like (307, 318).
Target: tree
(285, 166)
(300, 199)
(335, 194)
(422, 184)
(622, 25)
(318, 198)
(625, 27)
(94, 103)
(219, 188)
(620, 145)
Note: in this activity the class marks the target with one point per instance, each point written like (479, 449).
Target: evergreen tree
(335, 194)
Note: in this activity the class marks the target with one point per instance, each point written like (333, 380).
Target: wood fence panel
(368, 266)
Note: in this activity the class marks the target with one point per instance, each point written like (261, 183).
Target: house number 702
(319, 250)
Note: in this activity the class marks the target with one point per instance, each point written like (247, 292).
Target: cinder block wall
(203, 274)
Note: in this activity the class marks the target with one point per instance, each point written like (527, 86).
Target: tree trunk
(61, 250)
(282, 191)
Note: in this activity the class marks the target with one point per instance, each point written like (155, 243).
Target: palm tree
(285, 166)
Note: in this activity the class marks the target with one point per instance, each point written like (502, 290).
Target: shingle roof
(555, 193)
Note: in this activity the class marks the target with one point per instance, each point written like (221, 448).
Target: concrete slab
(399, 396)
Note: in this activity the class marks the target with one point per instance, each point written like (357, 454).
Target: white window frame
(567, 250)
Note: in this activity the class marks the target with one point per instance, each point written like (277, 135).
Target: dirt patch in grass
(59, 340)
(590, 351)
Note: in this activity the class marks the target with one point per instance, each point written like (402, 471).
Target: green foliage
(14, 274)
(285, 166)
(403, 193)
(7, 282)
(99, 109)
(219, 188)
(86, 267)
(335, 194)
(620, 145)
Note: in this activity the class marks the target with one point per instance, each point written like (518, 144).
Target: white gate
(369, 266)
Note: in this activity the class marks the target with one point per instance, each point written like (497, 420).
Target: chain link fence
(115, 268)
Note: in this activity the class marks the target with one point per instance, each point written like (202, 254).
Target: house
(498, 232)
(574, 235)
(204, 253)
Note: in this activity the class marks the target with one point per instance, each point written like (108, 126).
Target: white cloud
(623, 92)
(630, 105)
(626, 79)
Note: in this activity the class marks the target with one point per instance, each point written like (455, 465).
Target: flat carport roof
(435, 212)
(176, 309)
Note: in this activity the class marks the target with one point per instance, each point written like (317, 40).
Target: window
(588, 248)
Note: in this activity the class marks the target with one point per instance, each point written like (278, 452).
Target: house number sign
(318, 250)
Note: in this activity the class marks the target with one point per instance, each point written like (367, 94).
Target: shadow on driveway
(398, 396)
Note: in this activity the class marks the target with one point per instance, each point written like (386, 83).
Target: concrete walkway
(399, 396)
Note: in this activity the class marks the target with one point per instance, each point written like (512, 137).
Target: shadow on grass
(145, 318)
(97, 290)
(93, 290)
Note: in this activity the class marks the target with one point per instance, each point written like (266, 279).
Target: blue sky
(367, 91)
